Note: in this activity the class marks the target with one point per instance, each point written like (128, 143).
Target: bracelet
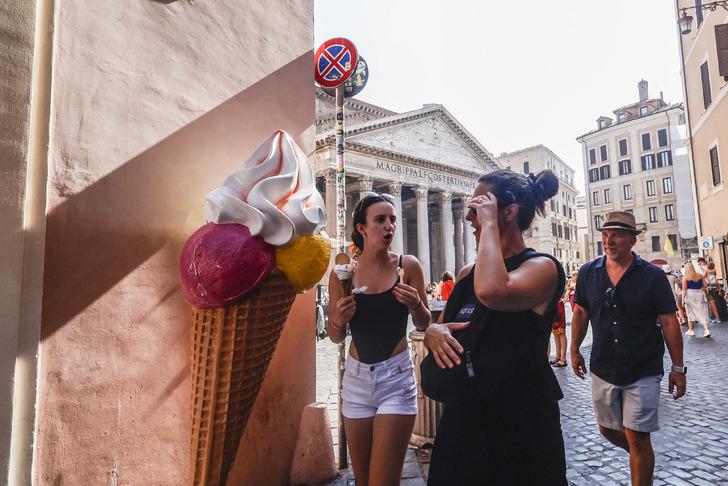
(419, 304)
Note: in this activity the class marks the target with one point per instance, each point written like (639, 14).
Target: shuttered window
(625, 167)
(721, 44)
(705, 79)
(662, 137)
(669, 212)
(604, 172)
(627, 192)
(646, 142)
(715, 166)
(648, 162)
(593, 176)
(651, 188)
(664, 159)
(653, 214)
(623, 147)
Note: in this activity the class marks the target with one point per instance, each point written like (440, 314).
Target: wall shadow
(97, 237)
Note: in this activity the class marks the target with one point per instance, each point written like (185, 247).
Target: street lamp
(686, 21)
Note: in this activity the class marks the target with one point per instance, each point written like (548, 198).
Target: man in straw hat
(623, 296)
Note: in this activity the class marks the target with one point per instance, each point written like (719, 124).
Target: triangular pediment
(428, 134)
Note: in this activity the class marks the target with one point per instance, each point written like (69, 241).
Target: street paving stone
(691, 449)
(692, 446)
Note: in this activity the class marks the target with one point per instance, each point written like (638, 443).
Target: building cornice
(354, 104)
(362, 149)
(633, 121)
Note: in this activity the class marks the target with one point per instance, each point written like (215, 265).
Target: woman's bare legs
(562, 339)
(389, 445)
(359, 439)
(377, 446)
(714, 309)
(557, 347)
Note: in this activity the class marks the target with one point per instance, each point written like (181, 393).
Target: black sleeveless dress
(508, 431)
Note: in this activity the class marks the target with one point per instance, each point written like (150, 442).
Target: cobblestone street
(690, 450)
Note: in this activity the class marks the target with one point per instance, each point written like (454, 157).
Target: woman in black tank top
(504, 428)
(379, 390)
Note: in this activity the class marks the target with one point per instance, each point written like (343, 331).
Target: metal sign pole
(341, 243)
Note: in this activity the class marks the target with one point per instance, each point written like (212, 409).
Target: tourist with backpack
(500, 424)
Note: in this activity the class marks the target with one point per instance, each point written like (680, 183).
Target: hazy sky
(516, 73)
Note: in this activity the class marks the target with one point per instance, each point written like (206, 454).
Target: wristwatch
(679, 369)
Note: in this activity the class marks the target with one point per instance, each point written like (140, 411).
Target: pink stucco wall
(154, 103)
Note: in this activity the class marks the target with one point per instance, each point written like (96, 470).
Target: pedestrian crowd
(489, 351)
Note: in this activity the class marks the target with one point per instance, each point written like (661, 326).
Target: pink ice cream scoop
(220, 263)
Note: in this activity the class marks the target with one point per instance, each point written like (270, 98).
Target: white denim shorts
(632, 406)
(387, 387)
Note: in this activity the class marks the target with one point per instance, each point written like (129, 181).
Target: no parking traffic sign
(334, 62)
(355, 83)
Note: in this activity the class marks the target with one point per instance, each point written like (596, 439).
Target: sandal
(559, 364)
(554, 361)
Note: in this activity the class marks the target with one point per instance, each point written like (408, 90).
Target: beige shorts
(632, 406)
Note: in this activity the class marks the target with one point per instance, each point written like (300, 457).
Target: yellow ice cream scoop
(304, 260)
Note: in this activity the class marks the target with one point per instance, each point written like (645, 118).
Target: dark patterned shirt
(628, 343)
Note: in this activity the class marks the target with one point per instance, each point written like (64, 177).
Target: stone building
(117, 119)
(638, 163)
(582, 228)
(425, 158)
(556, 233)
(704, 57)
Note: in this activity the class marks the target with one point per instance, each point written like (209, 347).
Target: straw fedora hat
(621, 220)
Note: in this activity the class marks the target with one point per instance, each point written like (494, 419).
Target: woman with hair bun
(502, 427)
(379, 396)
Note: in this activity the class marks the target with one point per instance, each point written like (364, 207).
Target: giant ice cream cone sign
(241, 272)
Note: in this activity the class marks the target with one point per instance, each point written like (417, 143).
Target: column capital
(365, 184)
(445, 197)
(330, 176)
(421, 192)
(395, 189)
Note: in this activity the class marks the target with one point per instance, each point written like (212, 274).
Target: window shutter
(721, 44)
(705, 79)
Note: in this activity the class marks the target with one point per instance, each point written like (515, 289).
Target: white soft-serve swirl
(274, 194)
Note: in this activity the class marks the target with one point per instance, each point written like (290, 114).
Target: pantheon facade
(425, 158)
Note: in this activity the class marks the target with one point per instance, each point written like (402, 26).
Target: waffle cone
(347, 286)
(231, 349)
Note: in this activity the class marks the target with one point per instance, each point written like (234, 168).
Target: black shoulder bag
(459, 381)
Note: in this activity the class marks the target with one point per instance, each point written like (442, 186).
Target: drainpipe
(25, 396)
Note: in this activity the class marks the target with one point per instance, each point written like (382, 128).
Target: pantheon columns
(395, 189)
(468, 238)
(423, 231)
(459, 251)
(447, 231)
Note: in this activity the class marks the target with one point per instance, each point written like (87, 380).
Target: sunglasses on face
(371, 194)
(383, 195)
